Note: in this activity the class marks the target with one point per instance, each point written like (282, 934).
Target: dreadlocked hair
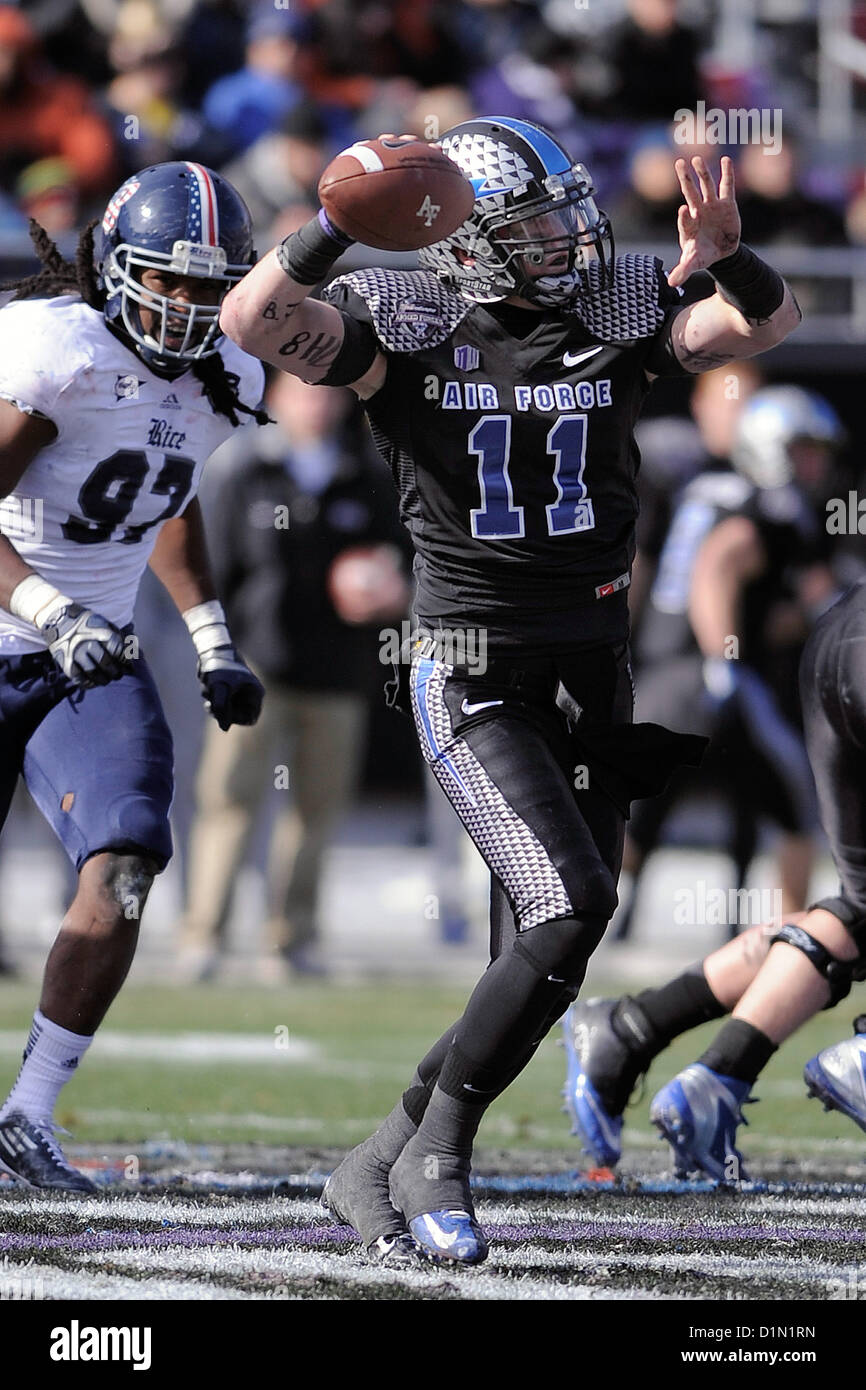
(58, 276)
(221, 389)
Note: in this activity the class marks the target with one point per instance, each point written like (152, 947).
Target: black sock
(739, 1050)
(676, 1007)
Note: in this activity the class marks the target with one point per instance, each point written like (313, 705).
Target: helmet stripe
(205, 205)
(547, 150)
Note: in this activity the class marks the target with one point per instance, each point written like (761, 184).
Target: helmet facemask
(564, 230)
(514, 230)
(197, 325)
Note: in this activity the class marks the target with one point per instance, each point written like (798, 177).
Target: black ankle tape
(674, 1008)
(739, 1050)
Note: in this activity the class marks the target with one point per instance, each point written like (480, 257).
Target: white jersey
(128, 455)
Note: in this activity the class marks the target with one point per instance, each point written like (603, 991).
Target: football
(395, 194)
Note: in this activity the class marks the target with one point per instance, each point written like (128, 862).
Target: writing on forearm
(700, 361)
(318, 353)
(271, 309)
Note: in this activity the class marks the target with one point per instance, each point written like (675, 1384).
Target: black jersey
(789, 532)
(513, 450)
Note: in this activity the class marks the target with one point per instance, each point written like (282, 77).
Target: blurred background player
(308, 557)
(742, 571)
(115, 387)
(772, 979)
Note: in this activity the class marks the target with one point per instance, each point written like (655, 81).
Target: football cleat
(399, 1249)
(837, 1076)
(356, 1194)
(601, 1072)
(450, 1237)
(30, 1152)
(698, 1113)
(438, 1209)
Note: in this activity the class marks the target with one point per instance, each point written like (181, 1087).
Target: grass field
(322, 1063)
(210, 1118)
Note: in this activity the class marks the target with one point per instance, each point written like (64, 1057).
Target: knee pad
(837, 973)
(559, 950)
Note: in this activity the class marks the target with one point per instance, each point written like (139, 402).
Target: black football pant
(501, 745)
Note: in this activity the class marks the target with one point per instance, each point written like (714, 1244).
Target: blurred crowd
(92, 90)
(267, 91)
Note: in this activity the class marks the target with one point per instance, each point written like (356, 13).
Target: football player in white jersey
(115, 387)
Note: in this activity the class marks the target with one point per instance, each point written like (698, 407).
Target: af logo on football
(429, 211)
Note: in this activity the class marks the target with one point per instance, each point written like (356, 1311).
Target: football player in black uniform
(744, 547)
(502, 382)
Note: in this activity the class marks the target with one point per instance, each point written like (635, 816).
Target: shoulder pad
(409, 309)
(627, 309)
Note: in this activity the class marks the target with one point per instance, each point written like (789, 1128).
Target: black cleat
(602, 1071)
(30, 1153)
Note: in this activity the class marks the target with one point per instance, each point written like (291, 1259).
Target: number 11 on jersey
(498, 518)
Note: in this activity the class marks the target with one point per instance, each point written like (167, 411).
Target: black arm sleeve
(360, 344)
(356, 355)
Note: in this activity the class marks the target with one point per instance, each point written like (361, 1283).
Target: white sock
(50, 1059)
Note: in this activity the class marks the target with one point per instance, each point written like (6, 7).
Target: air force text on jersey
(561, 395)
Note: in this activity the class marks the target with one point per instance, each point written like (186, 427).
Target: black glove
(231, 692)
(87, 647)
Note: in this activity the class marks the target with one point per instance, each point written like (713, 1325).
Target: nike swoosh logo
(473, 709)
(571, 359)
(444, 1238)
(475, 1091)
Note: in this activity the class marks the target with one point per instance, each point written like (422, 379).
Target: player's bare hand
(709, 221)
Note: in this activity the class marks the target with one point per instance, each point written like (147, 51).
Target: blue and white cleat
(592, 1046)
(450, 1237)
(837, 1076)
(608, 1044)
(698, 1113)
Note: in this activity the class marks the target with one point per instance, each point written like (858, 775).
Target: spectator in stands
(650, 65)
(46, 115)
(306, 548)
(282, 169)
(774, 209)
(646, 211)
(254, 100)
(145, 101)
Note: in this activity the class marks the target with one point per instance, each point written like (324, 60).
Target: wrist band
(748, 283)
(308, 254)
(35, 596)
(207, 626)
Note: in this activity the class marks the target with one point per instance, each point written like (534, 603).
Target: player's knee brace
(126, 881)
(837, 973)
(559, 950)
